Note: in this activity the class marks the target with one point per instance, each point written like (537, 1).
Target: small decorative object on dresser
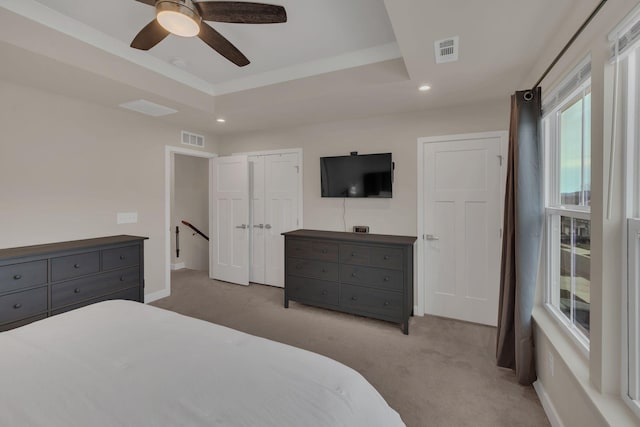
(44, 280)
(366, 274)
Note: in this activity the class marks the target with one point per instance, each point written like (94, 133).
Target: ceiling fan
(186, 18)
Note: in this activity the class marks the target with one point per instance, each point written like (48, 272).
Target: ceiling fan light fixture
(178, 17)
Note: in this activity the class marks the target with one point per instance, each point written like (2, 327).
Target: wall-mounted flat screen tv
(368, 175)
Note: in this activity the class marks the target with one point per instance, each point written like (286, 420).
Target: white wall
(397, 134)
(67, 167)
(191, 203)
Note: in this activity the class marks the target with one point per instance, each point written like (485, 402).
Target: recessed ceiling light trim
(424, 88)
(149, 108)
(220, 120)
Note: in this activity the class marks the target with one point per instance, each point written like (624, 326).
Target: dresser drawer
(365, 300)
(86, 288)
(132, 294)
(71, 266)
(23, 275)
(386, 257)
(390, 280)
(312, 269)
(120, 257)
(355, 254)
(312, 249)
(311, 290)
(20, 305)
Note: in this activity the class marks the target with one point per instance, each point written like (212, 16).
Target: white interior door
(462, 224)
(229, 244)
(281, 211)
(274, 210)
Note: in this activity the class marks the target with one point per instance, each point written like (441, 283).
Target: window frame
(630, 90)
(554, 210)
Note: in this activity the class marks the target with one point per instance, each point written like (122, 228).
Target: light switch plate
(127, 217)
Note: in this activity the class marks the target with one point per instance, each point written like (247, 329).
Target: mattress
(121, 363)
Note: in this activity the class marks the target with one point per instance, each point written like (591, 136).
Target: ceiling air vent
(446, 50)
(189, 138)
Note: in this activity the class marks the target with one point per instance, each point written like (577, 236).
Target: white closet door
(256, 169)
(281, 211)
(229, 244)
(462, 224)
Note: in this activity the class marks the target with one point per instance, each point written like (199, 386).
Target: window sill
(612, 408)
(581, 343)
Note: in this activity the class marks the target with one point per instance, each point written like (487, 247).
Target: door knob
(258, 225)
(267, 226)
(243, 226)
(432, 237)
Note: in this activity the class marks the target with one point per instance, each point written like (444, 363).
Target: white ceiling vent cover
(189, 138)
(446, 50)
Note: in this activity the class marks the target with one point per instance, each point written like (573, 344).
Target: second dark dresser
(44, 280)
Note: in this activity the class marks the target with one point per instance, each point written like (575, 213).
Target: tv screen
(368, 175)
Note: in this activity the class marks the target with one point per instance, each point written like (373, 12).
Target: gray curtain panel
(523, 216)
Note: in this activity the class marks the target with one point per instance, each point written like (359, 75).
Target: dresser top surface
(353, 237)
(25, 251)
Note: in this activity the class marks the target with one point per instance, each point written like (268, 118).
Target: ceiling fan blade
(222, 45)
(238, 12)
(149, 2)
(149, 36)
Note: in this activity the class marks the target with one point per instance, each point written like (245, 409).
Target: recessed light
(220, 120)
(424, 88)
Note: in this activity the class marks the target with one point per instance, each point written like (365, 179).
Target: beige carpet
(442, 374)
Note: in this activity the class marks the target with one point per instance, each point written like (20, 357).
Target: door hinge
(500, 159)
(297, 169)
(500, 232)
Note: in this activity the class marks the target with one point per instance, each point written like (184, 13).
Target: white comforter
(120, 363)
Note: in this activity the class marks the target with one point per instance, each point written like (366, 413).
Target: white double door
(254, 200)
(462, 220)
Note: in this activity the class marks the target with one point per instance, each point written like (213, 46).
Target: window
(625, 42)
(567, 141)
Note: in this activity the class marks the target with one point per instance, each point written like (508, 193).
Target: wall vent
(189, 138)
(446, 50)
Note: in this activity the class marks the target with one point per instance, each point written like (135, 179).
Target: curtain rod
(566, 47)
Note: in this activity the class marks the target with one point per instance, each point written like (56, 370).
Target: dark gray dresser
(44, 280)
(366, 274)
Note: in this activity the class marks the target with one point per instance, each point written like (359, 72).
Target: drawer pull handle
(76, 265)
(324, 270)
(354, 298)
(324, 251)
(387, 257)
(386, 303)
(353, 275)
(122, 278)
(325, 292)
(76, 291)
(386, 278)
(17, 277)
(353, 254)
(122, 257)
(17, 305)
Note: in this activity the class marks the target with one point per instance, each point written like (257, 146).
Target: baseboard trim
(547, 405)
(177, 266)
(156, 295)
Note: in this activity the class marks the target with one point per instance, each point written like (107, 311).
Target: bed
(122, 363)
